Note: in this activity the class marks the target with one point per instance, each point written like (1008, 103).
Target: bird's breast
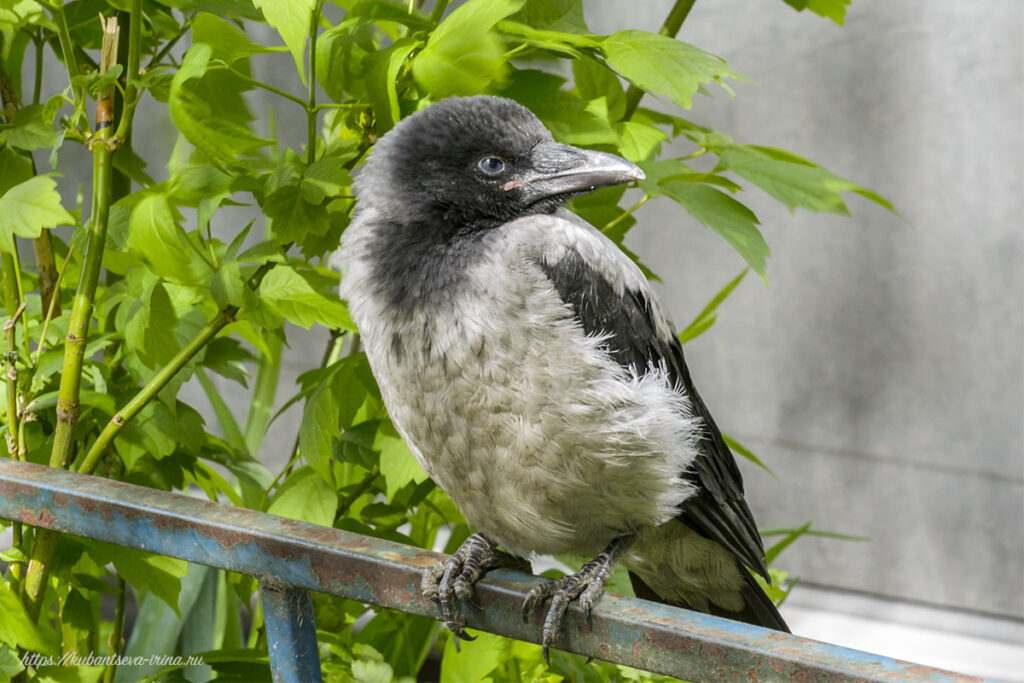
(543, 441)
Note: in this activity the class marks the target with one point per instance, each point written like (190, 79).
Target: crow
(535, 375)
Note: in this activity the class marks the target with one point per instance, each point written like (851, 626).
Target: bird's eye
(491, 165)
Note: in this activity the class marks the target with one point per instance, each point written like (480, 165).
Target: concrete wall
(882, 374)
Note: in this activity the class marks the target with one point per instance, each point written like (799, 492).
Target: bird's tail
(679, 567)
(758, 608)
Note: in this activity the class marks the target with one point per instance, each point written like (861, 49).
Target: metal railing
(290, 558)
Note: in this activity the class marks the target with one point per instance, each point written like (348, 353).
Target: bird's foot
(587, 584)
(450, 581)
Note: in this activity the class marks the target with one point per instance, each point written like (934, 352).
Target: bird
(535, 375)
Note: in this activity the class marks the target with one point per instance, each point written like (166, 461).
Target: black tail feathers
(758, 608)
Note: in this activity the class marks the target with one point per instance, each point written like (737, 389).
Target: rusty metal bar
(291, 633)
(629, 631)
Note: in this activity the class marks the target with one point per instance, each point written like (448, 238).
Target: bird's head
(479, 162)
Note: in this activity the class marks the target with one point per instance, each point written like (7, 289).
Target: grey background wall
(882, 374)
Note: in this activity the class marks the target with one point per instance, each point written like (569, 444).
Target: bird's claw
(587, 584)
(451, 581)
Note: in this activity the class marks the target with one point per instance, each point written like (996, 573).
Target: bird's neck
(422, 261)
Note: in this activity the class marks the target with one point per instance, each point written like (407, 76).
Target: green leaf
(572, 45)
(10, 663)
(340, 55)
(382, 82)
(240, 9)
(228, 42)
(148, 321)
(293, 216)
(404, 640)
(30, 206)
(307, 497)
(771, 553)
(29, 130)
(815, 532)
(372, 671)
(380, 10)
(594, 79)
(793, 181)
(156, 236)
(216, 121)
(553, 15)
(158, 573)
(463, 56)
(830, 9)
(335, 398)
(639, 141)
(473, 660)
(737, 447)
(665, 65)
(706, 318)
(292, 19)
(16, 628)
(570, 119)
(713, 208)
(228, 424)
(319, 427)
(68, 674)
(325, 178)
(15, 168)
(397, 463)
(293, 296)
(157, 626)
(228, 286)
(132, 165)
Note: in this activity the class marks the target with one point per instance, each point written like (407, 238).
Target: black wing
(718, 510)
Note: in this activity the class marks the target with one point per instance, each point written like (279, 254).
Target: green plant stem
(673, 22)
(12, 307)
(81, 316)
(67, 49)
(117, 633)
(37, 81)
(362, 487)
(260, 84)
(438, 11)
(46, 265)
(331, 354)
(622, 216)
(53, 308)
(341, 105)
(131, 94)
(81, 309)
(161, 379)
(311, 111)
(169, 45)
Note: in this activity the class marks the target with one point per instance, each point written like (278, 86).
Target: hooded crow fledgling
(534, 374)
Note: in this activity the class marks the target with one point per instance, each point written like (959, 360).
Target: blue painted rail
(291, 558)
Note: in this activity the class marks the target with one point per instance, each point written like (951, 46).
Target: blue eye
(491, 165)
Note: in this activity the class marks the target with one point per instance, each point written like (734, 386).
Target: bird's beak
(558, 170)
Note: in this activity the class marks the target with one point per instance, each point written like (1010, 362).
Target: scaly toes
(431, 581)
(556, 614)
(587, 584)
(561, 592)
(448, 597)
(590, 597)
(538, 595)
(450, 582)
